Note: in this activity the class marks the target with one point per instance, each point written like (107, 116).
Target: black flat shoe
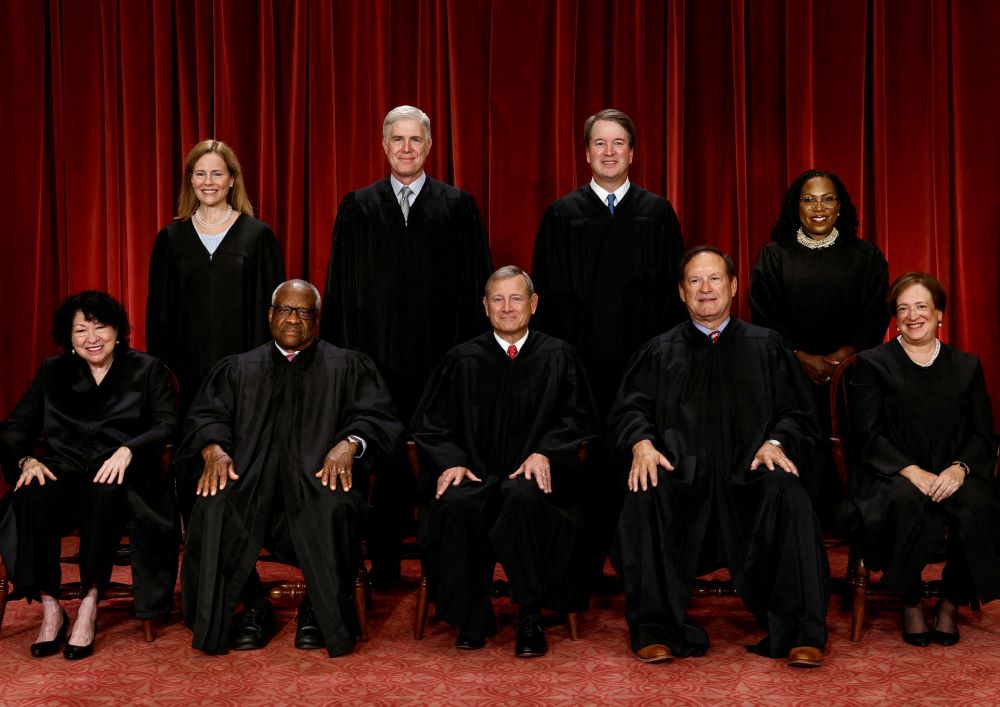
(71, 652)
(43, 649)
(530, 641)
(308, 635)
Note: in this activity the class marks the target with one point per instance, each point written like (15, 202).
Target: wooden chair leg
(421, 619)
(860, 593)
(359, 604)
(571, 620)
(148, 630)
(4, 589)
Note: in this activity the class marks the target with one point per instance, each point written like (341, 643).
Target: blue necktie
(611, 203)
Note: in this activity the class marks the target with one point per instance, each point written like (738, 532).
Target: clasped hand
(937, 486)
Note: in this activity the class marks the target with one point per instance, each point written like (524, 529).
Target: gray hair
(298, 283)
(406, 113)
(505, 273)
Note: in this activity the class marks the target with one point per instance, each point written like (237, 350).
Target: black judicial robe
(203, 307)
(488, 413)
(277, 420)
(606, 284)
(84, 424)
(824, 298)
(708, 408)
(406, 293)
(905, 414)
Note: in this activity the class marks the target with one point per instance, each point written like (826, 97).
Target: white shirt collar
(706, 331)
(415, 186)
(602, 193)
(504, 344)
(285, 353)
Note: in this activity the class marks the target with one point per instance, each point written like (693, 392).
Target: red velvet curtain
(102, 99)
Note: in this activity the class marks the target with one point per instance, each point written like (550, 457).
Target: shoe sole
(804, 664)
(656, 659)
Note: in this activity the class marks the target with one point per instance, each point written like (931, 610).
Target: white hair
(406, 113)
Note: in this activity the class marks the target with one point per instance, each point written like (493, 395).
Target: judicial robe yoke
(405, 292)
(203, 307)
(277, 420)
(605, 283)
(488, 413)
(905, 414)
(84, 424)
(708, 408)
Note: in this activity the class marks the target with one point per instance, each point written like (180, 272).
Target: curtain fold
(732, 99)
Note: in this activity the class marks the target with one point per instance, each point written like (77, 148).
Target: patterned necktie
(611, 203)
(404, 202)
(714, 335)
(512, 352)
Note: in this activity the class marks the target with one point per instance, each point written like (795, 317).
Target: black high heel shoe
(941, 637)
(71, 652)
(920, 640)
(43, 649)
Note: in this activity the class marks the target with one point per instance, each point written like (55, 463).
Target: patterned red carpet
(394, 669)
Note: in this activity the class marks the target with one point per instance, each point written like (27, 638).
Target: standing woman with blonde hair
(212, 271)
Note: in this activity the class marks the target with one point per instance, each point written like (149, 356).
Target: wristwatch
(773, 442)
(24, 460)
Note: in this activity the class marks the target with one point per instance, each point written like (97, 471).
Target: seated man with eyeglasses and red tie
(279, 440)
(716, 416)
(499, 429)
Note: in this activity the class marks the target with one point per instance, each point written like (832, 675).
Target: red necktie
(512, 352)
(290, 356)
(714, 335)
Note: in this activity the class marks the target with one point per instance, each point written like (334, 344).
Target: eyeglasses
(825, 200)
(305, 313)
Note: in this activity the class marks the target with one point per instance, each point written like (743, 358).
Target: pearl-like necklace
(932, 359)
(812, 243)
(206, 224)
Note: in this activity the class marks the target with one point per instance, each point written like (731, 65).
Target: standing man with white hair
(409, 261)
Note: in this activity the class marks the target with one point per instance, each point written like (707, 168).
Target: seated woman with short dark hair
(106, 412)
(923, 436)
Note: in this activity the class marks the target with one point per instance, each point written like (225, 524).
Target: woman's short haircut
(908, 280)
(97, 307)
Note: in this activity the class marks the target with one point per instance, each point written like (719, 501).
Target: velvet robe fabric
(203, 307)
(83, 424)
(903, 414)
(488, 413)
(277, 419)
(708, 408)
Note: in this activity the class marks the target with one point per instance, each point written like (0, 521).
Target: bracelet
(22, 462)
(963, 466)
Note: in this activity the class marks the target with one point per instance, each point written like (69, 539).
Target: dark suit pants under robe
(911, 535)
(321, 536)
(532, 534)
(764, 530)
(46, 513)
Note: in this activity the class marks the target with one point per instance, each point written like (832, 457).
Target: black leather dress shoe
(43, 649)
(530, 641)
(253, 627)
(308, 635)
(71, 652)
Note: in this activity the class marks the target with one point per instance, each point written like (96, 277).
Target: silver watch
(773, 442)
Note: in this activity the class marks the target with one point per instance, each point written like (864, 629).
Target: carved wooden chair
(500, 587)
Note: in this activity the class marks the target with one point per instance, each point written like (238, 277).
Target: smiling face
(707, 290)
(609, 154)
(211, 180)
(291, 331)
(916, 316)
(819, 207)
(92, 341)
(406, 148)
(509, 307)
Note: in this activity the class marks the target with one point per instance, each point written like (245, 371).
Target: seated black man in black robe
(499, 428)
(277, 435)
(713, 413)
